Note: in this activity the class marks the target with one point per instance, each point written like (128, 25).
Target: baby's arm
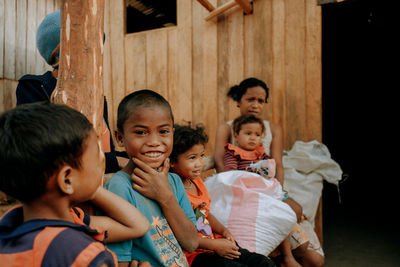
(155, 185)
(124, 222)
(230, 161)
(222, 137)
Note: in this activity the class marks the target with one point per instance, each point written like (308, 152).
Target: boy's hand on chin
(151, 183)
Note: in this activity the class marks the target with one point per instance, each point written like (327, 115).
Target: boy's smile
(148, 135)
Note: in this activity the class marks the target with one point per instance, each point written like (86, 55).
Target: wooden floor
(357, 241)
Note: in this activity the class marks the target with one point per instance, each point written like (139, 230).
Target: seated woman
(251, 95)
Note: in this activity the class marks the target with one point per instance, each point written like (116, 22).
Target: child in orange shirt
(217, 246)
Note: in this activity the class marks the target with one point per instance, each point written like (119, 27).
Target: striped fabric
(44, 242)
(233, 158)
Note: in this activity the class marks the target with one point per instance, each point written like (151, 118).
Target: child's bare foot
(289, 261)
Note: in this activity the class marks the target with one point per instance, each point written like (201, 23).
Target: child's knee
(308, 257)
(314, 259)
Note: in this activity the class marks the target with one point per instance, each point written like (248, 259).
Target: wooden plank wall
(19, 20)
(194, 63)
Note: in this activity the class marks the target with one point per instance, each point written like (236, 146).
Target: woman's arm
(124, 222)
(222, 137)
(276, 150)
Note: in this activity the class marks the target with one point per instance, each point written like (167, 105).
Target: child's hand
(226, 248)
(227, 234)
(151, 183)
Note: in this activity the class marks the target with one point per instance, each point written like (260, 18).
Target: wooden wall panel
(31, 38)
(179, 64)
(295, 80)
(19, 20)
(117, 56)
(9, 39)
(231, 54)
(20, 43)
(313, 72)
(195, 63)
(7, 94)
(135, 57)
(107, 77)
(156, 64)
(205, 69)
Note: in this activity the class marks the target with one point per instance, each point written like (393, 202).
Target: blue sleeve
(120, 186)
(182, 198)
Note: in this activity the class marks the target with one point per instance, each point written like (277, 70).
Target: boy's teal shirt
(159, 245)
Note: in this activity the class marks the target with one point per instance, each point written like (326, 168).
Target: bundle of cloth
(250, 202)
(251, 207)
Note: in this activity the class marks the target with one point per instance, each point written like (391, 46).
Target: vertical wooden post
(80, 75)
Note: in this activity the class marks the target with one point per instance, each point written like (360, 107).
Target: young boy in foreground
(145, 129)
(50, 160)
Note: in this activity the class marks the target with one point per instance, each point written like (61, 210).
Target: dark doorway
(358, 66)
(359, 103)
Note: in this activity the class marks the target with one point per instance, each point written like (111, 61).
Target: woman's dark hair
(35, 141)
(131, 102)
(185, 137)
(236, 92)
(244, 119)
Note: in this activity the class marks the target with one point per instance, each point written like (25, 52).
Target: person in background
(35, 88)
(251, 95)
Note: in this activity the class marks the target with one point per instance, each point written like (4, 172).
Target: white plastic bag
(251, 208)
(306, 165)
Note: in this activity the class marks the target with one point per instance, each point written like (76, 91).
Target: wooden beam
(221, 9)
(80, 75)
(245, 5)
(322, 2)
(206, 4)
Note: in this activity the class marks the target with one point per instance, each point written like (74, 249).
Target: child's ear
(65, 179)
(120, 139)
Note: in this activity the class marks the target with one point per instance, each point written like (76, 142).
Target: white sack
(305, 166)
(251, 208)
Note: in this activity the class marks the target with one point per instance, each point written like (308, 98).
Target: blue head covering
(48, 38)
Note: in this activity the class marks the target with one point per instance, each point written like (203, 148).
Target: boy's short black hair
(35, 141)
(185, 137)
(244, 119)
(146, 98)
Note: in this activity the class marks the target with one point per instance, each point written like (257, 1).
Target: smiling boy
(145, 129)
